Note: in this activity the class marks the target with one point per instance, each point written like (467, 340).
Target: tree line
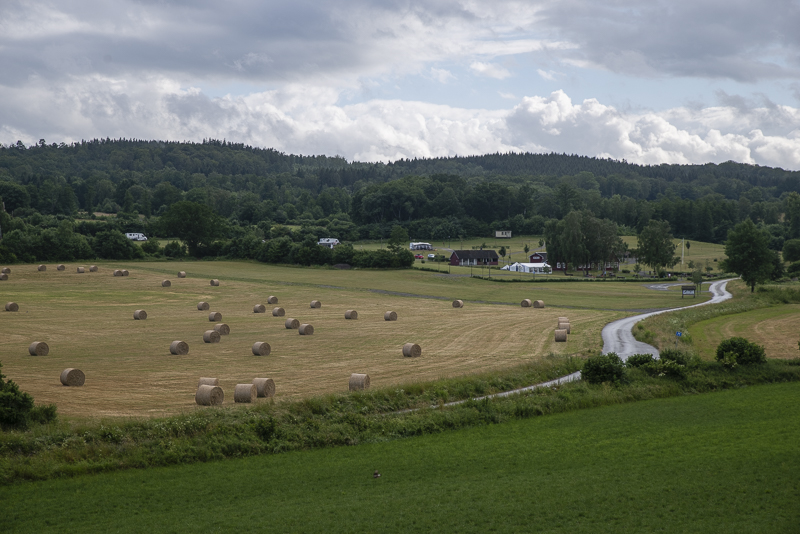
(254, 190)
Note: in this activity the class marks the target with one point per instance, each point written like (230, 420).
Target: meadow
(87, 320)
(720, 462)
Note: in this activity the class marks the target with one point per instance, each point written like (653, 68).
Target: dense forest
(51, 191)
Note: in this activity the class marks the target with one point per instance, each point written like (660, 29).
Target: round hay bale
(390, 316)
(564, 326)
(265, 387)
(42, 268)
(215, 282)
(306, 329)
(561, 335)
(6, 270)
(93, 269)
(12, 306)
(140, 315)
(351, 314)
(278, 312)
(181, 274)
(209, 395)
(222, 328)
(3, 276)
(412, 350)
(245, 393)
(272, 299)
(60, 267)
(211, 336)
(316, 304)
(359, 382)
(206, 381)
(261, 348)
(117, 272)
(214, 317)
(39, 348)
(291, 324)
(526, 303)
(81, 270)
(563, 320)
(73, 377)
(125, 272)
(180, 348)
(203, 306)
(538, 304)
(166, 283)
(259, 308)
(458, 303)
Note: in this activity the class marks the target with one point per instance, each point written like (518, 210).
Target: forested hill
(213, 156)
(431, 198)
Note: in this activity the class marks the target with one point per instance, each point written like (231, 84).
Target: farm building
(329, 242)
(538, 268)
(473, 257)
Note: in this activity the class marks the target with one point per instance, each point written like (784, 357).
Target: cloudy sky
(649, 81)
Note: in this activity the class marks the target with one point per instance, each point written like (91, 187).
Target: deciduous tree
(748, 254)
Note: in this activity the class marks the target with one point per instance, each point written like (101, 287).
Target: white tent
(539, 268)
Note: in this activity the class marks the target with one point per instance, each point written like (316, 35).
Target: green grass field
(721, 462)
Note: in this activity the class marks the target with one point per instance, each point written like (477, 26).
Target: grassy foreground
(725, 462)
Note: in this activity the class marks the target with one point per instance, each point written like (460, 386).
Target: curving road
(618, 336)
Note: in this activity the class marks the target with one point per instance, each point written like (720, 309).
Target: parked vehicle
(136, 236)
(431, 256)
(419, 256)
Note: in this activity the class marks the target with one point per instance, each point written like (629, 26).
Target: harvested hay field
(775, 328)
(89, 322)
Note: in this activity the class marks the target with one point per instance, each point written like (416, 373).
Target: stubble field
(87, 320)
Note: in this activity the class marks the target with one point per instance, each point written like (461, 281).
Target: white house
(329, 242)
(538, 268)
(420, 246)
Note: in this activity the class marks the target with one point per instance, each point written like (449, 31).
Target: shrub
(604, 368)
(15, 405)
(638, 360)
(151, 247)
(174, 249)
(668, 368)
(674, 355)
(741, 351)
(794, 268)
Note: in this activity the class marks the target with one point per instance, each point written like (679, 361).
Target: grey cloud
(707, 39)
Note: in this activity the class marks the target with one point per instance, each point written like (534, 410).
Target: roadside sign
(687, 290)
(678, 334)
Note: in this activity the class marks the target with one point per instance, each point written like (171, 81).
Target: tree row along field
(87, 319)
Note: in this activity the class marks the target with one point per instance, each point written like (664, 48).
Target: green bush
(174, 249)
(17, 409)
(151, 247)
(638, 360)
(668, 368)
(604, 368)
(674, 355)
(741, 351)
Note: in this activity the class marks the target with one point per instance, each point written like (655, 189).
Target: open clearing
(87, 320)
(776, 328)
(721, 462)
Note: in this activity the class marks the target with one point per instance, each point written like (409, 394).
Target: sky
(655, 81)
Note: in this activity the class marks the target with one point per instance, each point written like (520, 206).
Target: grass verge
(66, 449)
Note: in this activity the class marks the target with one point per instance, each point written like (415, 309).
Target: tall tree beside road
(748, 253)
(656, 248)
